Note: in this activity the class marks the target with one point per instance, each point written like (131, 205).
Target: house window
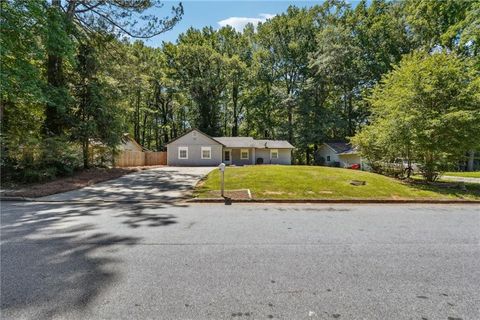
(182, 152)
(206, 152)
(274, 154)
(328, 158)
(244, 154)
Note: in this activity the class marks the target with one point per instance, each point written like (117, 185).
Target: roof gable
(192, 130)
(242, 142)
(127, 138)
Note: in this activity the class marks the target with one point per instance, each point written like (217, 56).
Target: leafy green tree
(337, 62)
(287, 40)
(425, 110)
(84, 19)
(95, 118)
(449, 24)
(202, 72)
(380, 32)
(22, 94)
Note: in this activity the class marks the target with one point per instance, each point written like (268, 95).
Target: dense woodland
(400, 78)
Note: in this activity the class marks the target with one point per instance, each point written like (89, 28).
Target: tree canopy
(308, 75)
(425, 110)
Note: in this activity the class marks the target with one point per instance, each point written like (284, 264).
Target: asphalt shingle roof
(342, 147)
(273, 144)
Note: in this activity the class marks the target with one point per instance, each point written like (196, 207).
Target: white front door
(227, 156)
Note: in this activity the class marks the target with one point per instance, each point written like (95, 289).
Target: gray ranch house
(196, 148)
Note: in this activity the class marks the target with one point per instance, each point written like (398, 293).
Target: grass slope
(307, 182)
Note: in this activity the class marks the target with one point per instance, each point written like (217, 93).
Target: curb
(16, 199)
(229, 201)
(359, 201)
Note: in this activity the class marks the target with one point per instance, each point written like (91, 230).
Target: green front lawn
(307, 182)
(473, 174)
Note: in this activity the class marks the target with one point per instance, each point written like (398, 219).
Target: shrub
(38, 161)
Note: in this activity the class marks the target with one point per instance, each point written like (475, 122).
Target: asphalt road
(71, 261)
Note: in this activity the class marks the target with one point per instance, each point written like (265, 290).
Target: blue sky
(199, 14)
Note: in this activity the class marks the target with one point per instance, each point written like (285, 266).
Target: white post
(221, 167)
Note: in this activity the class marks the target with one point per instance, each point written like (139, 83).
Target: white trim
(209, 149)
(272, 151)
(242, 151)
(182, 149)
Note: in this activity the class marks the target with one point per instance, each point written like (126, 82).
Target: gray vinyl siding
(194, 144)
(241, 162)
(284, 156)
(262, 153)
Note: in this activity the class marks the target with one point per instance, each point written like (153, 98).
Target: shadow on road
(51, 263)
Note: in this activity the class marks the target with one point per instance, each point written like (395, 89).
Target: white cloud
(238, 23)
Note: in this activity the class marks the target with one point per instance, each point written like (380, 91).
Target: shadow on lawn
(55, 269)
(450, 189)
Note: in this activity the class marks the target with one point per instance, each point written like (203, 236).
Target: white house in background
(196, 148)
(339, 154)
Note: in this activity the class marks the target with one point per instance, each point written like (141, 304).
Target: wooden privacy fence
(139, 158)
(155, 158)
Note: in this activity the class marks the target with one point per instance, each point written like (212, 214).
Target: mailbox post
(221, 167)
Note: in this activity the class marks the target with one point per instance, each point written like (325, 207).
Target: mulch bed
(79, 180)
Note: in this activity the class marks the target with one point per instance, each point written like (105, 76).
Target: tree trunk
(53, 124)
(136, 125)
(157, 136)
(86, 154)
(235, 111)
(144, 128)
(53, 118)
(471, 160)
(290, 122)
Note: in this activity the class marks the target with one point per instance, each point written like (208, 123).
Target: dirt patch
(273, 192)
(79, 180)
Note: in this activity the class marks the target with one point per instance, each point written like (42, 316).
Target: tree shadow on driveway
(149, 185)
(53, 263)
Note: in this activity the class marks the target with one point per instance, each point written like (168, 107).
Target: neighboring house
(196, 148)
(129, 144)
(339, 154)
(129, 153)
(132, 154)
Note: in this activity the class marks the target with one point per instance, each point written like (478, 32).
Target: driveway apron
(159, 184)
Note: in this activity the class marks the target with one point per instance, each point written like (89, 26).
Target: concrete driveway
(159, 184)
